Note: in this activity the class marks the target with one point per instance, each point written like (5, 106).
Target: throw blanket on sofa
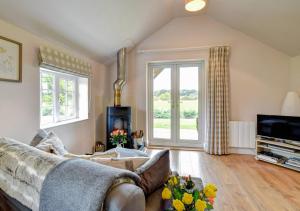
(23, 170)
(79, 185)
(43, 181)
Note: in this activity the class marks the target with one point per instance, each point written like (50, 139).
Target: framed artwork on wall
(10, 60)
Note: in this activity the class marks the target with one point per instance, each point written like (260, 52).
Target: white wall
(295, 74)
(259, 74)
(19, 102)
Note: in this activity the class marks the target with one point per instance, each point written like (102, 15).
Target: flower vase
(167, 205)
(120, 145)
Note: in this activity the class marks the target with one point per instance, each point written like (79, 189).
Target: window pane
(70, 97)
(47, 81)
(162, 103)
(62, 97)
(47, 98)
(188, 83)
(62, 85)
(70, 111)
(62, 111)
(46, 115)
(66, 99)
(70, 87)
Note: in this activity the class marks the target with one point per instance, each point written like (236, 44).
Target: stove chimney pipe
(120, 82)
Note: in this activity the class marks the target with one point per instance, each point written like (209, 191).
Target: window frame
(57, 119)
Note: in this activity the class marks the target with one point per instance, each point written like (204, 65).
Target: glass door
(188, 101)
(162, 103)
(174, 103)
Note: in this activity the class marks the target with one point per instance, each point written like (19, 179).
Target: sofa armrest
(125, 197)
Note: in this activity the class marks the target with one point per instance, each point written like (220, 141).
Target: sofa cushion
(46, 147)
(155, 172)
(39, 137)
(129, 163)
(107, 154)
(154, 201)
(112, 158)
(52, 142)
(125, 197)
(123, 152)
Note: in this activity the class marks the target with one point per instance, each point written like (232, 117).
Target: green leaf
(177, 194)
(196, 195)
(209, 206)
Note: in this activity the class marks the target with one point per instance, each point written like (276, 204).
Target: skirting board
(176, 148)
(232, 150)
(244, 151)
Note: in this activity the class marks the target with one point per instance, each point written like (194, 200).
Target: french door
(175, 103)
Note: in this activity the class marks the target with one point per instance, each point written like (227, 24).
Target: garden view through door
(188, 102)
(175, 91)
(162, 103)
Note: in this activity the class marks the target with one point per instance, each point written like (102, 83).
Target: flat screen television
(279, 127)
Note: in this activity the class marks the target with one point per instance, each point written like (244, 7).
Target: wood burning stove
(118, 118)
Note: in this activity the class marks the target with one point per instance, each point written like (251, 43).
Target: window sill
(62, 123)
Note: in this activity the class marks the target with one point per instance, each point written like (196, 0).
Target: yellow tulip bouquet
(181, 194)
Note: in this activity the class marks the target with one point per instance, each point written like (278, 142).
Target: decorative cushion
(123, 152)
(155, 172)
(46, 147)
(39, 137)
(55, 144)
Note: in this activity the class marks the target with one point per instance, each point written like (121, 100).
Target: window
(63, 98)
(175, 103)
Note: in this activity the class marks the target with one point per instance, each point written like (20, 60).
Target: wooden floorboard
(243, 182)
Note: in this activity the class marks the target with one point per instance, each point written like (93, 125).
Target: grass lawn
(185, 105)
(184, 123)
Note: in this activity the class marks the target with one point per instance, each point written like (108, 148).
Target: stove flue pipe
(121, 73)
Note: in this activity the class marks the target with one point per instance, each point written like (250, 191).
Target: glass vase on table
(118, 137)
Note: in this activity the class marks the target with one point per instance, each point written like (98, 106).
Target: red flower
(211, 201)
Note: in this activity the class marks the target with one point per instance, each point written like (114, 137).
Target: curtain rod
(177, 49)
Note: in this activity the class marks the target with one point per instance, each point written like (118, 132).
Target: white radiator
(241, 134)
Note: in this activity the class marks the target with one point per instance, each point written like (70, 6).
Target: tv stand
(277, 147)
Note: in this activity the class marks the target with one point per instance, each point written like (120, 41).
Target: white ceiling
(274, 22)
(99, 28)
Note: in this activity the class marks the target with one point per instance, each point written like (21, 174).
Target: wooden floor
(243, 183)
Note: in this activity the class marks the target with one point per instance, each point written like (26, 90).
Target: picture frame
(10, 60)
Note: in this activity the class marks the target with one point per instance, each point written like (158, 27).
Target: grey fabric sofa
(123, 197)
(127, 197)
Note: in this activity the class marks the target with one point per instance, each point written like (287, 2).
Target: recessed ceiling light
(194, 5)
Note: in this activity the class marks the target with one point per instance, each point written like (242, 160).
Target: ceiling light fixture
(194, 5)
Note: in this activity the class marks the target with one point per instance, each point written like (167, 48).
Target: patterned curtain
(62, 62)
(218, 101)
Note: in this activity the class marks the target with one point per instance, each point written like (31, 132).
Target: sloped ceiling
(99, 28)
(274, 22)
